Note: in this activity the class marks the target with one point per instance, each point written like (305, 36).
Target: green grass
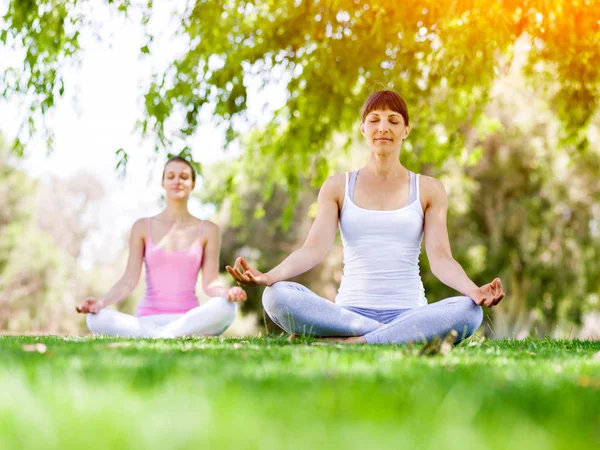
(88, 393)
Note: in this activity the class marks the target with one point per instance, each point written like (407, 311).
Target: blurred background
(264, 97)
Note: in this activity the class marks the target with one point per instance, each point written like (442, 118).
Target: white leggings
(211, 319)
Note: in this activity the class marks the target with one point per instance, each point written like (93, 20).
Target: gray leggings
(297, 309)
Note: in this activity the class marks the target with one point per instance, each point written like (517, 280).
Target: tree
(42, 228)
(442, 56)
(520, 208)
(526, 212)
(33, 274)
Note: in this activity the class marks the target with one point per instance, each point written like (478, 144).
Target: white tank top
(381, 253)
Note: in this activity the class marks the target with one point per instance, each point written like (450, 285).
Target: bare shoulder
(209, 229)
(432, 190)
(333, 188)
(140, 227)
(139, 230)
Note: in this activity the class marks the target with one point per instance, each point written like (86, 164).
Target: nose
(383, 125)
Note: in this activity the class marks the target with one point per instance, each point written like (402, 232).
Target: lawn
(96, 393)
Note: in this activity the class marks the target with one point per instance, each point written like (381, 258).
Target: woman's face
(177, 181)
(384, 130)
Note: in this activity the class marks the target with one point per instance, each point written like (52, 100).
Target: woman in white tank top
(383, 211)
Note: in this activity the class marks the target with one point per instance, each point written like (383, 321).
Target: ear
(406, 132)
(362, 128)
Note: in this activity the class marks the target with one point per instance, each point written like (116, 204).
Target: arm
(125, 286)
(318, 242)
(437, 245)
(211, 285)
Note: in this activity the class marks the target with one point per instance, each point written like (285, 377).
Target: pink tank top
(170, 278)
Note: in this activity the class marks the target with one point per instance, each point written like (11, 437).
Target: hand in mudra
(489, 294)
(246, 275)
(90, 305)
(236, 294)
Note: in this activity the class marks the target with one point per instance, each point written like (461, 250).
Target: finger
(489, 301)
(498, 284)
(238, 265)
(498, 298)
(251, 277)
(231, 272)
(245, 265)
(494, 286)
(244, 280)
(234, 273)
(478, 301)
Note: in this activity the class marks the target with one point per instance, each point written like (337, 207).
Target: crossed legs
(297, 309)
(212, 318)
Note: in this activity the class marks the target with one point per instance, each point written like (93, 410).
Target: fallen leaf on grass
(39, 348)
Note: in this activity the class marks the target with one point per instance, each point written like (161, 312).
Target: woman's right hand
(90, 305)
(246, 275)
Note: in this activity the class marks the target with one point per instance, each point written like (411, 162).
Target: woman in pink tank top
(174, 246)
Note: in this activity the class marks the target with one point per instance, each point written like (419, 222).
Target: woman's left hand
(489, 294)
(236, 294)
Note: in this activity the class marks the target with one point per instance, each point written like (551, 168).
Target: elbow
(316, 254)
(439, 264)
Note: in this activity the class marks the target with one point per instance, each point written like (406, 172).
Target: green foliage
(269, 394)
(47, 33)
(528, 215)
(442, 56)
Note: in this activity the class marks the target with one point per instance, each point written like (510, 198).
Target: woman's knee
(472, 313)
(227, 308)
(96, 321)
(272, 298)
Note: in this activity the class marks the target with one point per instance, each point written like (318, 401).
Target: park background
(265, 98)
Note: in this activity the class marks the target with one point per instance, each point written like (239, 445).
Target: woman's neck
(385, 165)
(176, 211)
